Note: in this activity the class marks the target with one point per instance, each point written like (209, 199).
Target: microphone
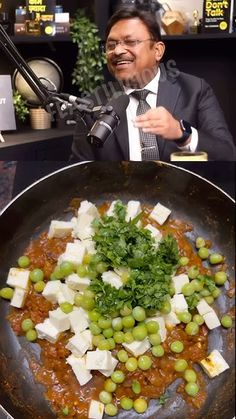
(108, 120)
(74, 99)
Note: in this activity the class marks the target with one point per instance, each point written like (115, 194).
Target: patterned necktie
(149, 146)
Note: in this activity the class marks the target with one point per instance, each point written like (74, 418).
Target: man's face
(137, 65)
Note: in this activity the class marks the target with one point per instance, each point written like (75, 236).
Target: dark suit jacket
(185, 97)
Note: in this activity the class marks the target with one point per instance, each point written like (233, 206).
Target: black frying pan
(190, 197)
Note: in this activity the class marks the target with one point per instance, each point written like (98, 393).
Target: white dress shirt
(134, 138)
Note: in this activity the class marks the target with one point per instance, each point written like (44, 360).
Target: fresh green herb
(121, 243)
(193, 300)
(163, 399)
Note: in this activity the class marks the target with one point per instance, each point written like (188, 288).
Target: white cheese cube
(162, 328)
(78, 366)
(87, 207)
(171, 319)
(98, 360)
(18, 277)
(89, 245)
(203, 307)
(110, 277)
(78, 344)
(51, 290)
(110, 211)
(47, 330)
(74, 253)
(160, 213)
(178, 303)
(66, 295)
(137, 348)
(214, 364)
(59, 319)
(211, 320)
(155, 233)
(18, 298)
(78, 320)
(60, 229)
(75, 282)
(133, 209)
(83, 229)
(108, 373)
(179, 281)
(96, 410)
(89, 337)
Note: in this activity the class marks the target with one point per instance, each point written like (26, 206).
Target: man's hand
(160, 122)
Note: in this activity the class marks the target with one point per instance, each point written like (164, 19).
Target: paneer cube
(171, 319)
(78, 344)
(18, 277)
(66, 295)
(110, 211)
(60, 229)
(178, 303)
(160, 213)
(83, 229)
(75, 282)
(74, 253)
(214, 364)
(155, 233)
(203, 307)
(110, 277)
(96, 410)
(179, 281)
(108, 373)
(78, 320)
(133, 209)
(137, 348)
(89, 337)
(211, 320)
(18, 298)
(47, 330)
(162, 328)
(89, 245)
(77, 364)
(52, 290)
(87, 207)
(59, 319)
(98, 360)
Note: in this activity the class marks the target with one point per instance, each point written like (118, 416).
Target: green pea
(188, 289)
(180, 365)
(88, 293)
(136, 387)
(144, 362)
(200, 242)
(140, 332)
(197, 318)
(118, 376)
(56, 274)
(95, 329)
(140, 405)
(205, 292)
(39, 286)
(191, 389)
(87, 258)
(128, 321)
(104, 323)
(131, 364)
(226, 321)
(96, 339)
(23, 262)
(104, 345)
(66, 307)
(155, 339)
(126, 310)
(101, 267)
(82, 271)
(111, 409)
(78, 300)
(158, 351)
(152, 326)
(166, 307)
(184, 316)
(193, 272)
(215, 258)
(117, 324)
(190, 375)
(197, 285)
(6, 293)
(122, 355)
(111, 343)
(220, 277)
(27, 324)
(110, 386)
(183, 261)
(177, 346)
(66, 268)
(203, 252)
(88, 304)
(126, 403)
(118, 337)
(209, 299)
(192, 329)
(108, 333)
(65, 411)
(36, 275)
(128, 337)
(31, 335)
(139, 314)
(94, 315)
(105, 397)
(216, 293)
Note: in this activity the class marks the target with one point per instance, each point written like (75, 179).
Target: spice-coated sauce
(61, 386)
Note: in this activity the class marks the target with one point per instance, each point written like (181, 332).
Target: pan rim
(159, 162)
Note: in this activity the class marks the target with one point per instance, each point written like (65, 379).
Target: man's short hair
(132, 12)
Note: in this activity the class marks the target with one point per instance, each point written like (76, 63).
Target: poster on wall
(41, 6)
(216, 16)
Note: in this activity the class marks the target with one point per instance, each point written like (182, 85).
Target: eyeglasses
(127, 43)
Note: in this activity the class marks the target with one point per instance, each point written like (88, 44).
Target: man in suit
(179, 112)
